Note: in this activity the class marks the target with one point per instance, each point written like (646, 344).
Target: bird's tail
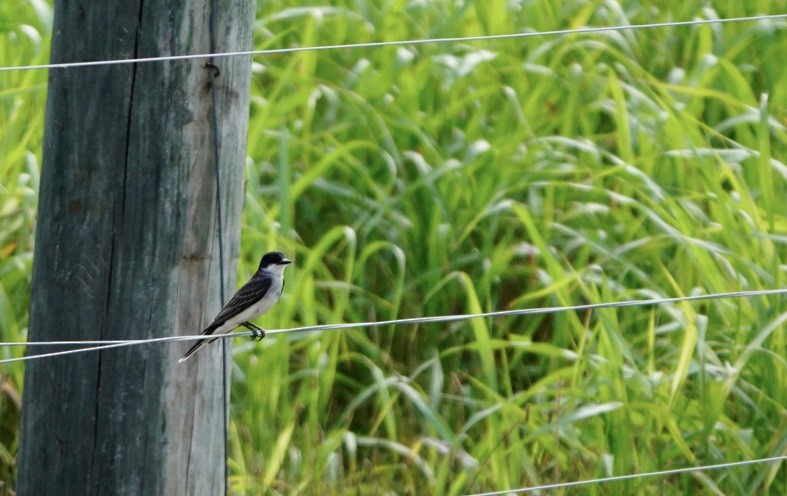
(199, 344)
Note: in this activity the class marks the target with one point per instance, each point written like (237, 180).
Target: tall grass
(468, 177)
(24, 39)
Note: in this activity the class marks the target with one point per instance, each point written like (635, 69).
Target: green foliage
(461, 177)
(24, 39)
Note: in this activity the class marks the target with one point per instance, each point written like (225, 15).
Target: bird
(252, 300)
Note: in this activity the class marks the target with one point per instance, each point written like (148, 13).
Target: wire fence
(103, 345)
(616, 478)
(100, 345)
(379, 44)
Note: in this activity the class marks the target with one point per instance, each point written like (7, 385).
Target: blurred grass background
(467, 177)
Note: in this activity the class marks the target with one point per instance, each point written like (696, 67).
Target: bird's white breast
(263, 305)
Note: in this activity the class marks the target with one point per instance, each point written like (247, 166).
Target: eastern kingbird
(252, 300)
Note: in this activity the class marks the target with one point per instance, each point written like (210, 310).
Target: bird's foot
(256, 332)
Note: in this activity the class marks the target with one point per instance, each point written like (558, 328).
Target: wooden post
(126, 249)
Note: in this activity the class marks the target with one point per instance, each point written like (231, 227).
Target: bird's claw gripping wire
(256, 332)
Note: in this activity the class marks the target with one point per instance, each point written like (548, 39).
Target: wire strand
(405, 321)
(377, 44)
(614, 478)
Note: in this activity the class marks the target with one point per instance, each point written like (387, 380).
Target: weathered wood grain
(126, 249)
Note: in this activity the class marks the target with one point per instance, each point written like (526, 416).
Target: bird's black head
(273, 259)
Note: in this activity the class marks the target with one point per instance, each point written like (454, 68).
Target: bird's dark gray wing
(249, 294)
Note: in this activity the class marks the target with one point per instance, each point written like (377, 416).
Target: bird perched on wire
(252, 300)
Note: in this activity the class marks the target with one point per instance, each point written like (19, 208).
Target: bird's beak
(286, 261)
